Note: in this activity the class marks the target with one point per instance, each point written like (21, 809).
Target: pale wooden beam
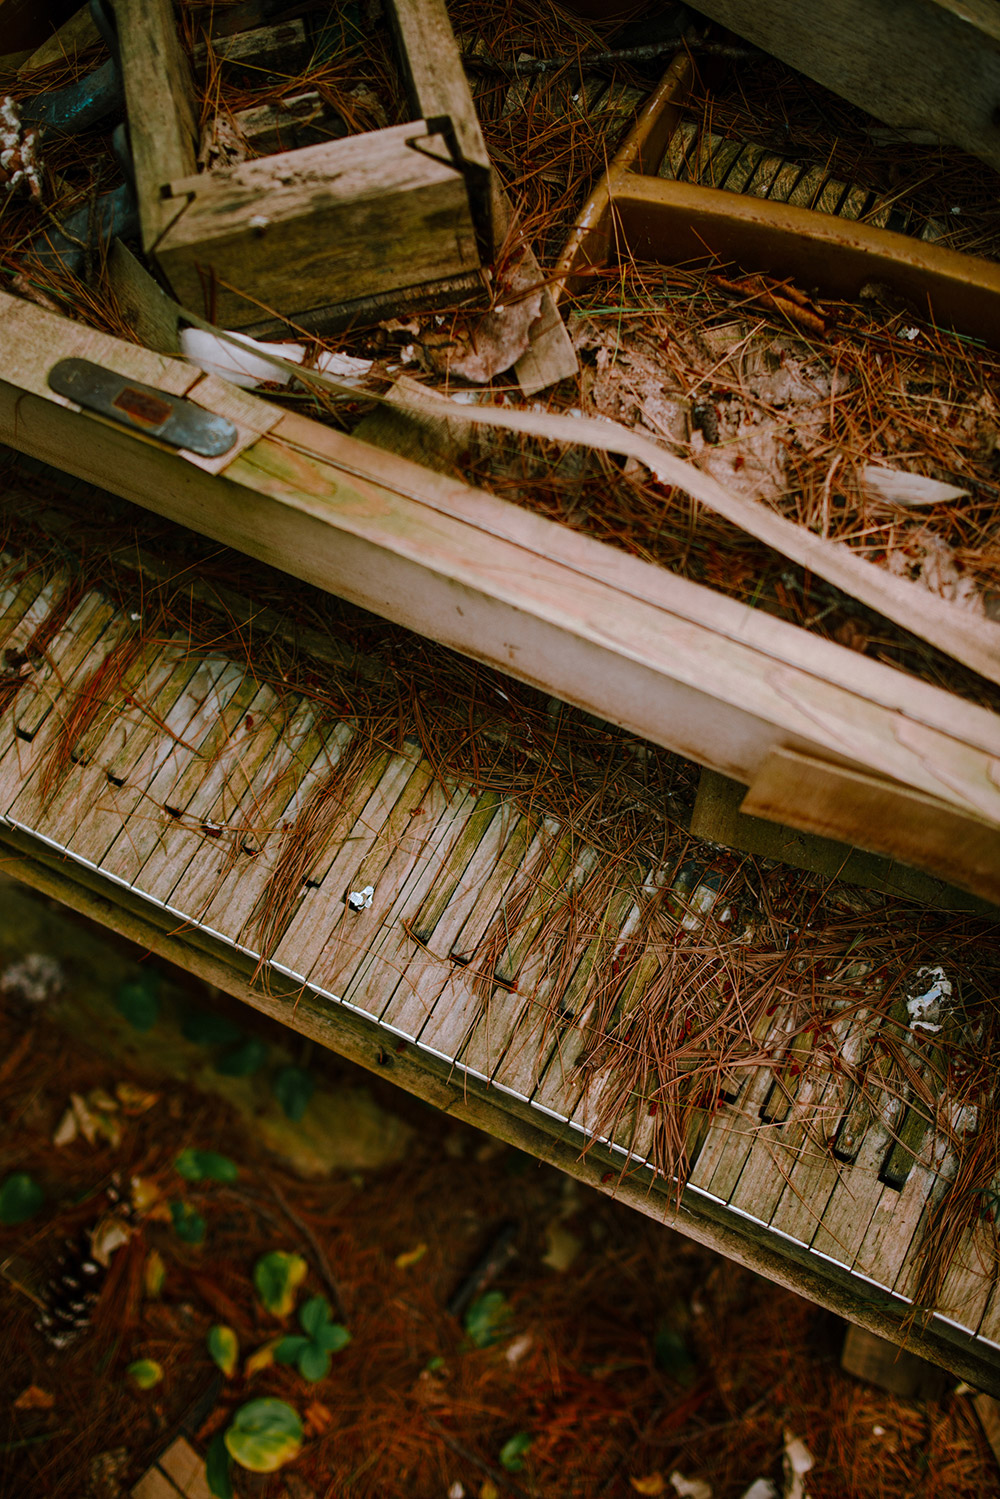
(661, 656)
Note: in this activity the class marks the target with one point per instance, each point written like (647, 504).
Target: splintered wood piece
(159, 100)
(798, 789)
(353, 217)
(270, 49)
(932, 63)
(717, 819)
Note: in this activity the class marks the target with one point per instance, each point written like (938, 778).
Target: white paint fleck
(360, 900)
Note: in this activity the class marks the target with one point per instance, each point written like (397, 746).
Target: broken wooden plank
(928, 63)
(159, 99)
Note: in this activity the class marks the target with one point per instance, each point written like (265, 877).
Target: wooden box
(326, 235)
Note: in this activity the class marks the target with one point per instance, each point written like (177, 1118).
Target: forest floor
(609, 1356)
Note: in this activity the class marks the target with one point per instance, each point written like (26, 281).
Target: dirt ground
(623, 1358)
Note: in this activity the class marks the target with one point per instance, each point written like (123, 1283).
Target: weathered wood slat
(230, 899)
(229, 759)
(402, 888)
(928, 63)
(126, 746)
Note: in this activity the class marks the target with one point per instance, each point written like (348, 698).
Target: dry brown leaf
(486, 344)
(135, 1100)
(34, 1398)
(317, 1417)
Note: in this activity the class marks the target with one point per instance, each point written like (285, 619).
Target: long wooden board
(657, 654)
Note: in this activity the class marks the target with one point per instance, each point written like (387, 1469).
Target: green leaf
(188, 1223)
(293, 1089)
(487, 1319)
(205, 1028)
(20, 1199)
(136, 1001)
(277, 1277)
(244, 1060)
(314, 1314)
(672, 1356)
(434, 1364)
(288, 1350)
(265, 1435)
(145, 1373)
(314, 1362)
(512, 1453)
(217, 1464)
(205, 1165)
(224, 1346)
(333, 1338)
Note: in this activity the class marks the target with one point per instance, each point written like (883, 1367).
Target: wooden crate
(321, 236)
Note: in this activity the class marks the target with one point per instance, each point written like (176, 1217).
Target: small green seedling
(293, 1089)
(488, 1319)
(244, 1059)
(311, 1353)
(277, 1277)
(189, 1225)
(145, 1373)
(20, 1199)
(137, 1002)
(224, 1346)
(513, 1453)
(265, 1435)
(205, 1165)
